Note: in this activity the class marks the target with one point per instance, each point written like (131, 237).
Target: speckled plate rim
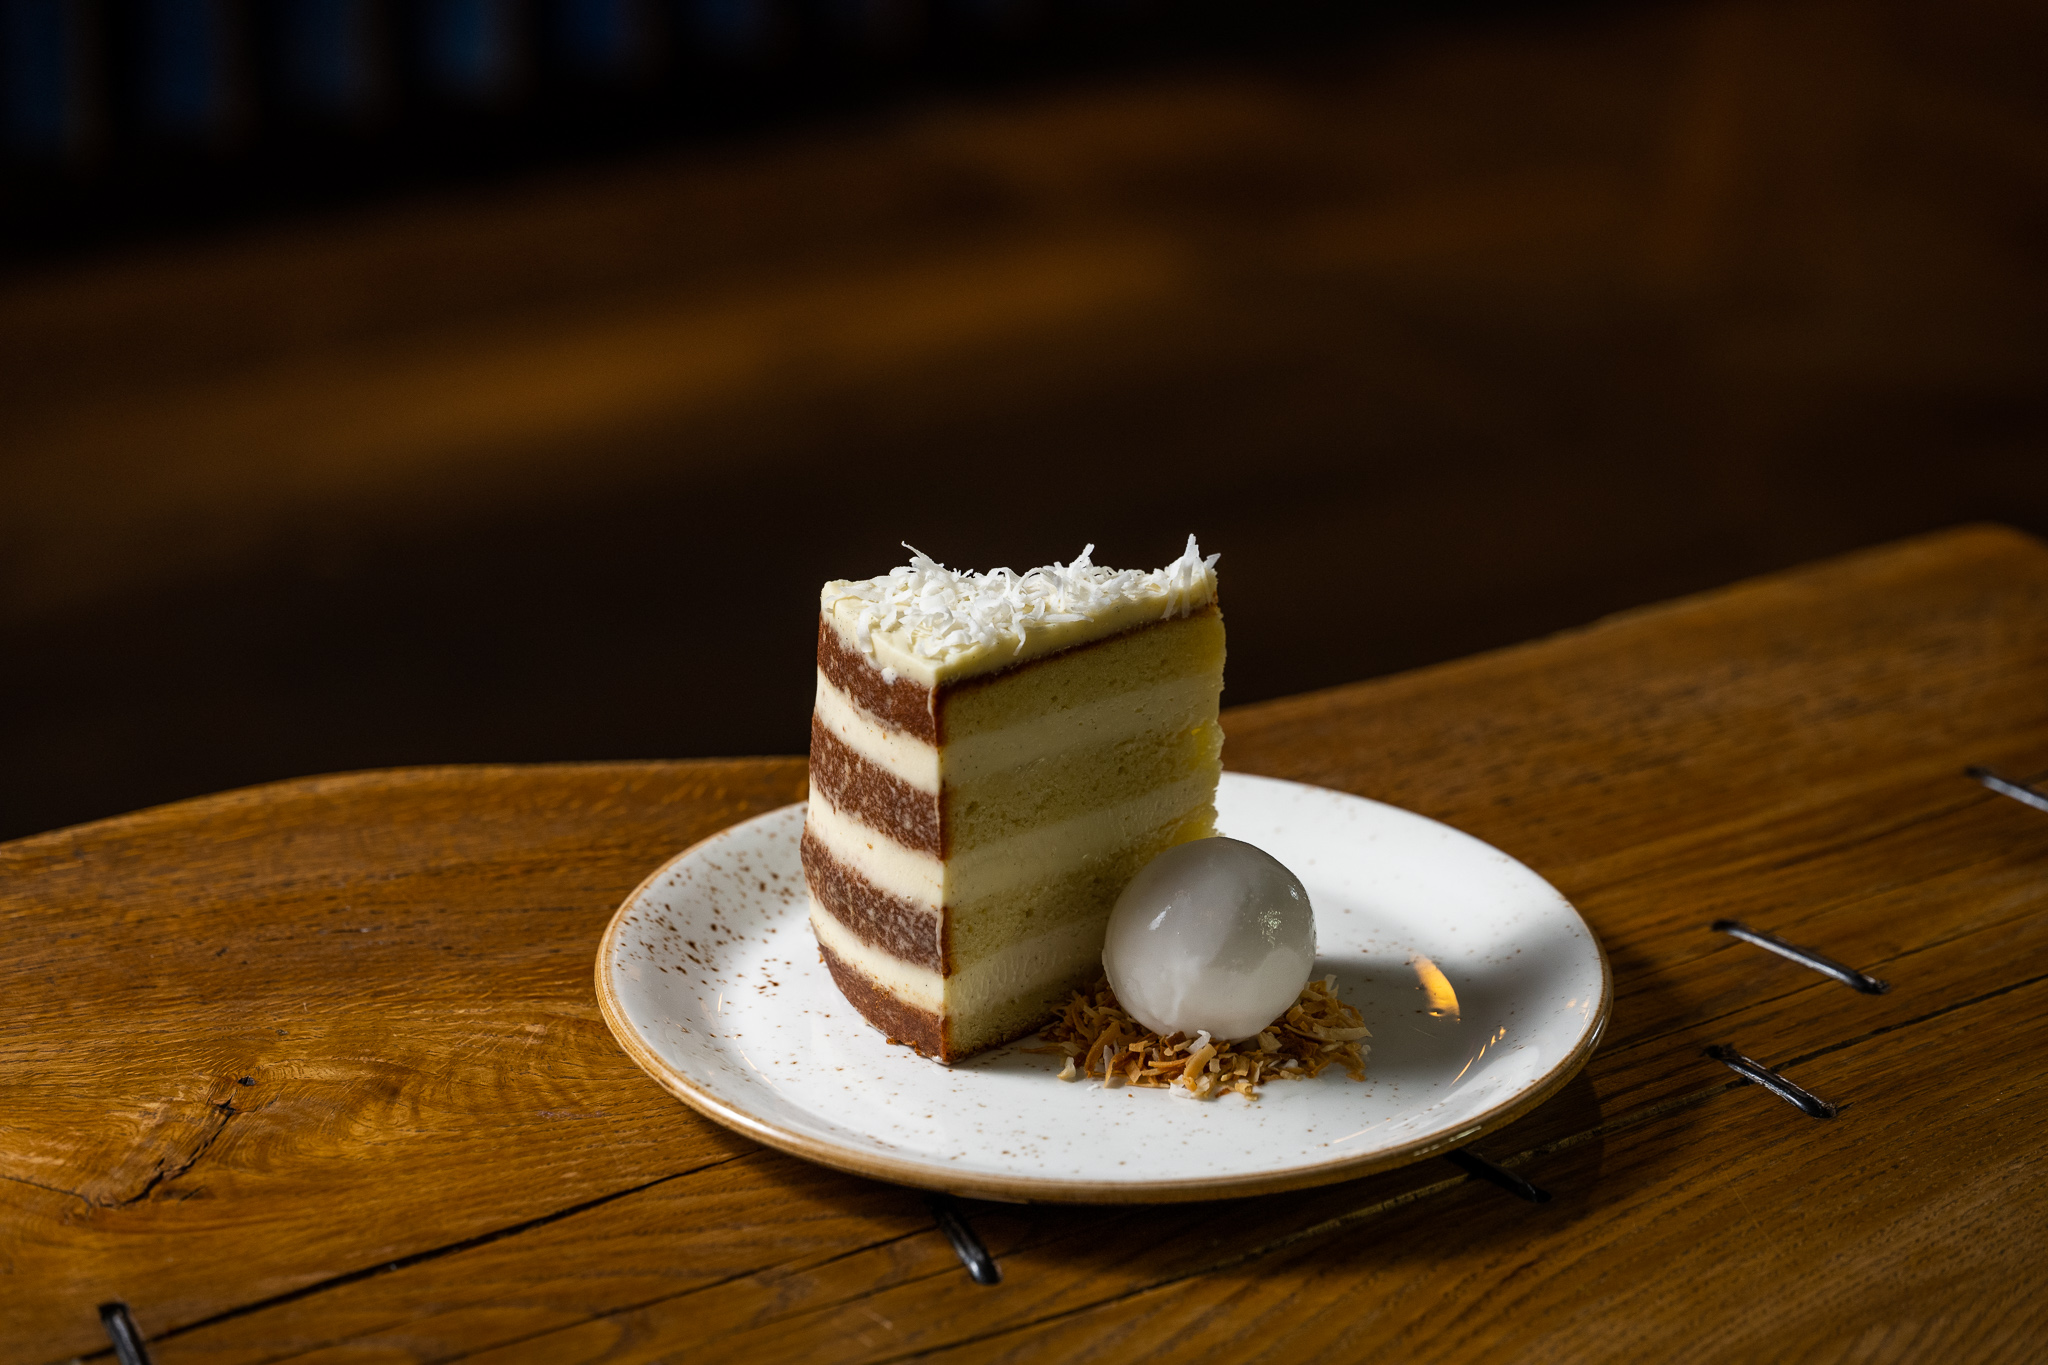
(1026, 1189)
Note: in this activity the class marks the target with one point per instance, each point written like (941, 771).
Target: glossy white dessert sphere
(1213, 935)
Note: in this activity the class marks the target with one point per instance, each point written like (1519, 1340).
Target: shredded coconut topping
(1318, 1031)
(944, 613)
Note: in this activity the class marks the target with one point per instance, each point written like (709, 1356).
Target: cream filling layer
(879, 860)
(1026, 967)
(1175, 705)
(993, 868)
(897, 752)
(919, 987)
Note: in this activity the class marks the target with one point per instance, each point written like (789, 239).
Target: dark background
(1448, 327)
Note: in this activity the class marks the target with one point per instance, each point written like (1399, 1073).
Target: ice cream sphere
(1213, 935)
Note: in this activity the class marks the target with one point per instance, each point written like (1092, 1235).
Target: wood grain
(439, 1151)
(1739, 1230)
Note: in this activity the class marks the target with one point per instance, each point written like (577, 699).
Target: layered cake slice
(993, 758)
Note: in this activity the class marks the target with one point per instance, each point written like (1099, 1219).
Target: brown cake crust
(873, 795)
(922, 1030)
(908, 932)
(906, 705)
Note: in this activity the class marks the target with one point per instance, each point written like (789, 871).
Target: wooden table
(314, 1072)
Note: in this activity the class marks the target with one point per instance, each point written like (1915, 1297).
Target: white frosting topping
(931, 623)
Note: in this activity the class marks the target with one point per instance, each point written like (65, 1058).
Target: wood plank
(1624, 1088)
(1737, 1229)
(761, 1218)
(397, 964)
(1959, 904)
(1761, 701)
(442, 1076)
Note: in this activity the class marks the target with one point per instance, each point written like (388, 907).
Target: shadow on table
(1395, 1219)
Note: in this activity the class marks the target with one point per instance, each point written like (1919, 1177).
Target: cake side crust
(873, 795)
(904, 704)
(924, 1031)
(900, 928)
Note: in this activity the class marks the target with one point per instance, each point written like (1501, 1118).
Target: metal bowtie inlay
(1805, 957)
(2018, 791)
(1756, 1073)
(967, 1246)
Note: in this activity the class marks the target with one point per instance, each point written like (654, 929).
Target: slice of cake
(993, 758)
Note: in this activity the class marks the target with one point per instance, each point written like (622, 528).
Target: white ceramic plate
(710, 979)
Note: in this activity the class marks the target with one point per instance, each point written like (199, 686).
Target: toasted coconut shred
(1101, 1041)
